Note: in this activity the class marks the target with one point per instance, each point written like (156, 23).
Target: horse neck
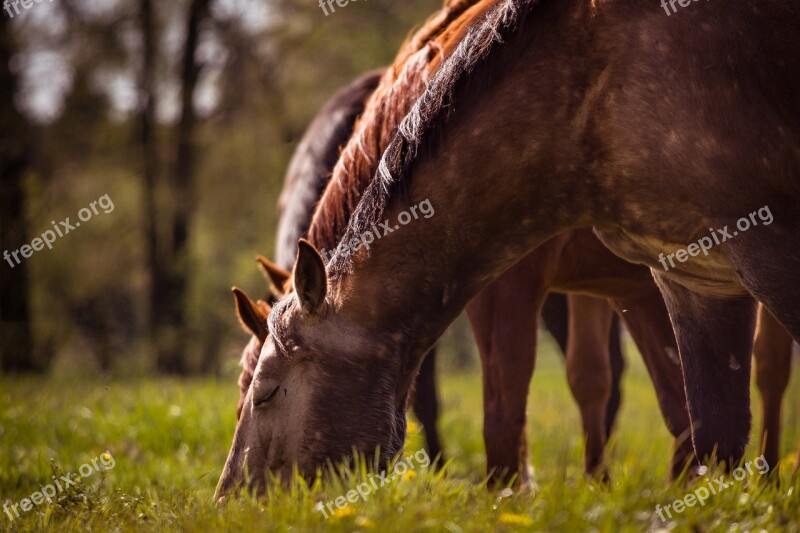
(310, 167)
(401, 85)
(494, 177)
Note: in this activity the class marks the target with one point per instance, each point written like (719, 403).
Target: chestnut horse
(345, 346)
(306, 177)
(588, 376)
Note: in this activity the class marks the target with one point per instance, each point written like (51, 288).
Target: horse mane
(427, 112)
(399, 88)
(248, 363)
(311, 164)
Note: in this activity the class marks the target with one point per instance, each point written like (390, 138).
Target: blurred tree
(157, 326)
(125, 98)
(147, 123)
(172, 352)
(16, 346)
(80, 153)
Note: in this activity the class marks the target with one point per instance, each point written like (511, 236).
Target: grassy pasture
(169, 440)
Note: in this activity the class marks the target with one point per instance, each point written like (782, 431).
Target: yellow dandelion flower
(363, 521)
(789, 460)
(343, 512)
(106, 457)
(412, 426)
(410, 474)
(516, 519)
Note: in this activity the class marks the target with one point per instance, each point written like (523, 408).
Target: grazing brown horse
(345, 347)
(588, 375)
(304, 181)
(317, 151)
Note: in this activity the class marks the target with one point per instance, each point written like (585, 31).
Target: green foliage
(267, 79)
(170, 438)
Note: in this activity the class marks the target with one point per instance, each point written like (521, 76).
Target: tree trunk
(157, 326)
(16, 340)
(172, 353)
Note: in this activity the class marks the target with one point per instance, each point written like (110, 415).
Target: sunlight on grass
(170, 439)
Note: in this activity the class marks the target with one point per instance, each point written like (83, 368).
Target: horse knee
(589, 383)
(772, 374)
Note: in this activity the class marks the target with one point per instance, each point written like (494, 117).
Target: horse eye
(260, 402)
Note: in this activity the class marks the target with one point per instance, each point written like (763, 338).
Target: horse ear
(309, 280)
(252, 316)
(276, 276)
(264, 306)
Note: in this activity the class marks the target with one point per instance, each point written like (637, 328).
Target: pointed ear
(309, 280)
(276, 276)
(252, 316)
(264, 306)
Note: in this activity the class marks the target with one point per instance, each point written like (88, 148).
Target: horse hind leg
(589, 373)
(767, 262)
(766, 259)
(772, 351)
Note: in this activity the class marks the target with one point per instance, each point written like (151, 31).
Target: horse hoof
(600, 474)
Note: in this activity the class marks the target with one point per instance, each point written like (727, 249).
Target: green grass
(169, 440)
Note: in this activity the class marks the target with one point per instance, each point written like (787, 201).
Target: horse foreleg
(589, 372)
(648, 322)
(617, 365)
(556, 319)
(504, 318)
(715, 342)
(772, 351)
(426, 405)
(555, 315)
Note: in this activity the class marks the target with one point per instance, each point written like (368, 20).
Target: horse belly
(706, 274)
